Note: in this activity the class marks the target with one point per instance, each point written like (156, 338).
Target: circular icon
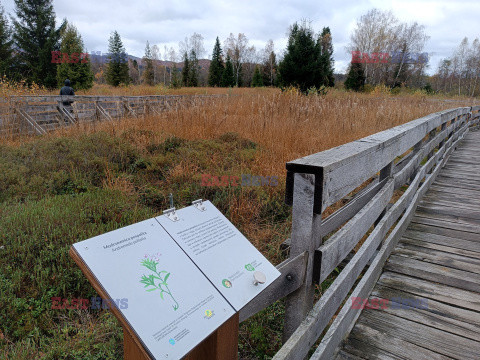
(227, 283)
(172, 341)
(249, 267)
(208, 313)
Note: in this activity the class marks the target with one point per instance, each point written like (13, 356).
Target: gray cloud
(168, 22)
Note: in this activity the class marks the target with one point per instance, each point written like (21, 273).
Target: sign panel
(168, 302)
(222, 253)
(176, 282)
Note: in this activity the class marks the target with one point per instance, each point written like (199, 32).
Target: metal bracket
(171, 214)
(199, 205)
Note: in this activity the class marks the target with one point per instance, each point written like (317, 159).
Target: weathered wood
(341, 216)
(454, 246)
(447, 344)
(376, 341)
(442, 224)
(436, 273)
(45, 110)
(311, 328)
(363, 158)
(461, 299)
(347, 315)
(300, 302)
(450, 260)
(438, 314)
(339, 245)
(28, 119)
(291, 278)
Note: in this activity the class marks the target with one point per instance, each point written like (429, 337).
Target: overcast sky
(447, 22)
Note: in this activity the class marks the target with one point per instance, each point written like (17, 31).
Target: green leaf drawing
(156, 281)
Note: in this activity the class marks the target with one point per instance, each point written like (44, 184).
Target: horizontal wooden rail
(408, 157)
(40, 114)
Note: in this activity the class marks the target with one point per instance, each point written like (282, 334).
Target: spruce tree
(117, 67)
(302, 65)
(35, 37)
(175, 81)
(186, 70)
(326, 57)
(216, 66)
(5, 44)
(76, 68)
(355, 78)
(228, 76)
(148, 73)
(193, 69)
(257, 78)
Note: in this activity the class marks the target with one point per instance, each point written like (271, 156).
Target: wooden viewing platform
(437, 259)
(44, 113)
(408, 230)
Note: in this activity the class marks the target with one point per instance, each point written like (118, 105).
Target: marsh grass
(83, 181)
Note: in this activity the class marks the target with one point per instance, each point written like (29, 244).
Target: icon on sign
(249, 267)
(172, 341)
(227, 283)
(208, 314)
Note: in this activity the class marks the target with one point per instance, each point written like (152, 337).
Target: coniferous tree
(35, 37)
(148, 73)
(193, 69)
(5, 44)
(326, 57)
(355, 78)
(228, 76)
(302, 65)
(216, 66)
(185, 70)
(175, 81)
(76, 68)
(117, 68)
(257, 80)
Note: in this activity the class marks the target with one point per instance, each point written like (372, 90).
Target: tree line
(29, 40)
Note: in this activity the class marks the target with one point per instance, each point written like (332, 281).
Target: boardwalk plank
(436, 244)
(462, 299)
(438, 257)
(471, 223)
(433, 272)
(432, 339)
(447, 314)
(465, 212)
(381, 345)
(447, 225)
(428, 201)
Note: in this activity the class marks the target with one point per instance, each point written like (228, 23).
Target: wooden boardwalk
(437, 259)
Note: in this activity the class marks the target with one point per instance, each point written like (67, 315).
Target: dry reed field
(85, 180)
(287, 125)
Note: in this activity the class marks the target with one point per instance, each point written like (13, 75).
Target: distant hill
(102, 59)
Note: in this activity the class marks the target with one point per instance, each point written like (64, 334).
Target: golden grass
(286, 125)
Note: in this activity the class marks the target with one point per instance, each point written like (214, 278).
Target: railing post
(299, 303)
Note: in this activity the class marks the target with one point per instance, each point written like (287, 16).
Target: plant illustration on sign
(157, 281)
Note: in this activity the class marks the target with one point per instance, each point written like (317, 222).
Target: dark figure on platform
(67, 90)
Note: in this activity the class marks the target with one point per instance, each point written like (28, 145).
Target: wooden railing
(403, 160)
(40, 114)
